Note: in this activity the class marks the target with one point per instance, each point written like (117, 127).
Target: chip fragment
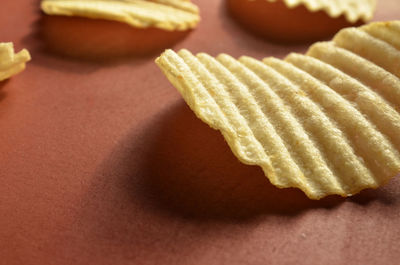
(327, 122)
(353, 10)
(11, 63)
(163, 14)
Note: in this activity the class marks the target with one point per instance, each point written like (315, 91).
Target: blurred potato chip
(353, 10)
(164, 14)
(299, 20)
(11, 63)
(327, 122)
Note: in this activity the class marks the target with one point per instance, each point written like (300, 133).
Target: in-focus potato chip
(164, 14)
(300, 20)
(327, 122)
(11, 63)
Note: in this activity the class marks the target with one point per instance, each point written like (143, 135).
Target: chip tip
(26, 54)
(269, 59)
(164, 54)
(224, 56)
(168, 51)
(184, 52)
(290, 55)
(203, 55)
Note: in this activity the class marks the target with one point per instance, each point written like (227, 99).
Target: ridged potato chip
(164, 14)
(353, 10)
(300, 20)
(327, 122)
(11, 63)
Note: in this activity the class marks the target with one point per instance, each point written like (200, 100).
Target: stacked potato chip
(326, 122)
(11, 63)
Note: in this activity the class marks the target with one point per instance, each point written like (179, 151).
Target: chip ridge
(353, 10)
(301, 94)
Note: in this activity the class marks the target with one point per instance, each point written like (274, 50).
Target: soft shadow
(97, 42)
(194, 173)
(2, 93)
(181, 167)
(44, 58)
(232, 21)
(387, 194)
(254, 42)
(191, 171)
(3, 84)
(275, 23)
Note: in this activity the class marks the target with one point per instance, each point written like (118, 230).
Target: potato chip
(353, 10)
(326, 122)
(300, 20)
(164, 14)
(11, 63)
(378, 48)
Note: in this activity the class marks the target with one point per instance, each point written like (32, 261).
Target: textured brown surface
(104, 164)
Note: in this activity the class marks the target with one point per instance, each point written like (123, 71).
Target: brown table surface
(105, 164)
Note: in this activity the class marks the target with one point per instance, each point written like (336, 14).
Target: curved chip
(327, 122)
(11, 63)
(164, 14)
(353, 10)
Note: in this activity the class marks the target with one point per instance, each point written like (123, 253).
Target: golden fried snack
(327, 122)
(300, 20)
(11, 63)
(164, 14)
(101, 29)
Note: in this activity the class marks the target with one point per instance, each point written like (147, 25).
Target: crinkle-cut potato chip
(327, 122)
(163, 14)
(11, 63)
(353, 10)
(300, 20)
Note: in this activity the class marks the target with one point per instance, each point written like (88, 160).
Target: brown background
(103, 163)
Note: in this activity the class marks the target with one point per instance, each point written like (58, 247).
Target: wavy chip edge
(168, 15)
(192, 74)
(353, 10)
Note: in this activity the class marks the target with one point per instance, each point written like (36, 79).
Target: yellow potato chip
(164, 14)
(353, 10)
(11, 63)
(327, 122)
(378, 48)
